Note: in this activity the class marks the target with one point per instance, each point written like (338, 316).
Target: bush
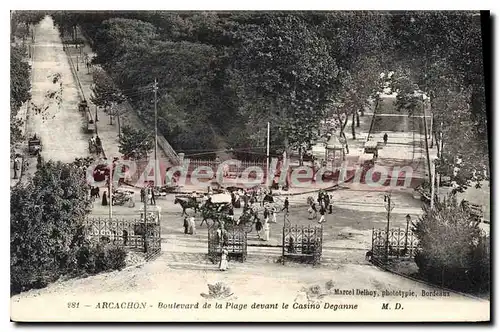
(453, 251)
(96, 258)
(24, 278)
(47, 239)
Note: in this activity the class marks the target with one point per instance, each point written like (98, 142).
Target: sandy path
(265, 283)
(54, 114)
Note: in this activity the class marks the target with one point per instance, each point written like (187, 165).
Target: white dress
(223, 266)
(266, 231)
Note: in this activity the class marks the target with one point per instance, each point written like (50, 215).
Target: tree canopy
(223, 75)
(46, 215)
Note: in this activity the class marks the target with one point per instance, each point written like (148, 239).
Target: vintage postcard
(255, 166)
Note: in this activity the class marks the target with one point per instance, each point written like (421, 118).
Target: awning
(221, 198)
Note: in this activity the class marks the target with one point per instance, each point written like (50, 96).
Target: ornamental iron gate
(304, 243)
(131, 234)
(401, 244)
(233, 237)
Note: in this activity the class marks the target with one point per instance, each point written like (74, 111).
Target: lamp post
(408, 219)
(389, 206)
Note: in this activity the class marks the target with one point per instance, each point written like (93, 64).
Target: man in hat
(16, 166)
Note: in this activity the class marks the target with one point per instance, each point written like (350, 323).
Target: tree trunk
(301, 157)
(110, 117)
(342, 134)
(119, 124)
(353, 130)
(357, 118)
(287, 147)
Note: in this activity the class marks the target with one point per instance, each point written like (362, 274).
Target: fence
(401, 244)
(131, 234)
(234, 238)
(234, 169)
(302, 242)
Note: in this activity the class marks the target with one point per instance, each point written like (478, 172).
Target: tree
(286, 63)
(46, 217)
(20, 87)
(106, 94)
(442, 52)
(118, 35)
(136, 142)
(26, 18)
(449, 244)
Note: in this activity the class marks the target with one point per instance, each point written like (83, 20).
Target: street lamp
(408, 219)
(389, 206)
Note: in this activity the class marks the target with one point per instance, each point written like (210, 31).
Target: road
(54, 115)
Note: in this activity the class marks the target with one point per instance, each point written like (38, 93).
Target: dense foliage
(441, 55)
(136, 143)
(453, 251)
(20, 87)
(47, 240)
(222, 76)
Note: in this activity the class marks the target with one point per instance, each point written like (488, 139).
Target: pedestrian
(266, 215)
(16, 166)
(258, 227)
(223, 265)
(322, 212)
(330, 205)
(153, 200)
(273, 215)
(286, 205)
(186, 225)
(104, 198)
(149, 197)
(315, 211)
(386, 137)
(98, 141)
(143, 194)
(266, 231)
(192, 226)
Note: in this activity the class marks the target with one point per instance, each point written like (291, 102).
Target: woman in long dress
(223, 266)
(258, 227)
(273, 215)
(266, 231)
(104, 198)
(192, 226)
(186, 225)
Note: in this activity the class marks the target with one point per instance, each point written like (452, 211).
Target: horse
(214, 212)
(94, 193)
(190, 204)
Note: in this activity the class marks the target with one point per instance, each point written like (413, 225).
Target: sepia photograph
(250, 166)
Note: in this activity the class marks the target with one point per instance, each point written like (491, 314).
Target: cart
(371, 147)
(34, 145)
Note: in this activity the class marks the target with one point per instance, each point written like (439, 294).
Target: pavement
(53, 115)
(108, 132)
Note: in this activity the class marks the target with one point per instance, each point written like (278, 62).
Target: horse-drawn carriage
(34, 145)
(83, 106)
(91, 127)
(371, 147)
(121, 196)
(474, 210)
(94, 146)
